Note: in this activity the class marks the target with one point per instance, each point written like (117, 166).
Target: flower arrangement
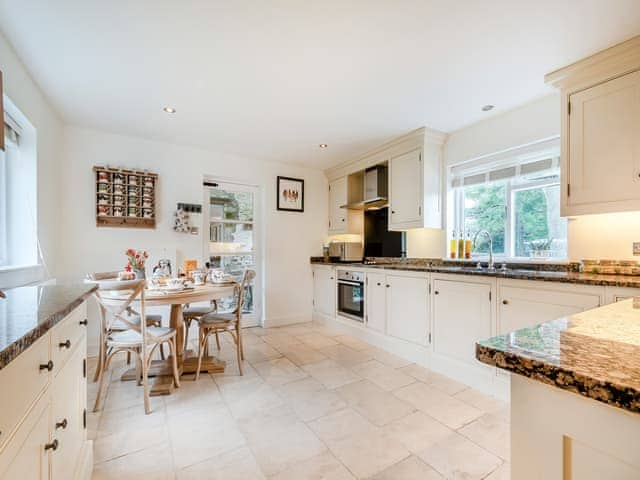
(135, 259)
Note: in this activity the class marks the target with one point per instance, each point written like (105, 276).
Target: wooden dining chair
(215, 323)
(152, 320)
(193, 313)
(114, 299)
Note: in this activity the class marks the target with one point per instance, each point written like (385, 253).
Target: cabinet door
(69, 393)
(604, 147)
(376, 302)
(337, 198)
(462, 316)
(521, 307)
(405, 190)
(408, 308)
(324, 290)
(25, 458)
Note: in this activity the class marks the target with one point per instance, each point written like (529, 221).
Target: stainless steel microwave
(346, 251)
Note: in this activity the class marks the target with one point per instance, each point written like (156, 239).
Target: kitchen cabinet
(376, 298)
(324, 290)
(338, 198)
(462, 315)
(408, 308)
(523, 304)
(600, 120)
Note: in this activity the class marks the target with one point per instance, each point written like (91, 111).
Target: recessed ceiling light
(323, 145)
(169, 109)
(486, 108)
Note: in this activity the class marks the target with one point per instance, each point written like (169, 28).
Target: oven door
(351, 299)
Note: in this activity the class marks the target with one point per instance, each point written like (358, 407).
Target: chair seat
(217, 318)
(152, 321)
(196, 311)
(132, 338)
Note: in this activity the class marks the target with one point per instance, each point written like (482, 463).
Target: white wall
(27, 97)
(289, 239)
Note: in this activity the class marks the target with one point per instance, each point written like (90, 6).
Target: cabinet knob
(63, 424)
(330, 278)
(84, 322)
(342, 220)
(505, 302)
(52, 446)
(47, 366)
(66, 344)
(388, 285)
(436, 292)
(379, 284)
(393, 211)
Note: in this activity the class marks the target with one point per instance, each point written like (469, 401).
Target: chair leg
(138, 369)
(240, 342)
(145, 382)
(174, 362)
(217, 340)
(238, 352)
(187, 326)
(201, 344)
(161, 352)
(103, 370)
(128, 358)
(101, 355)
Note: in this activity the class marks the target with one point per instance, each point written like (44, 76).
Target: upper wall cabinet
(600, 131)
(337, 198)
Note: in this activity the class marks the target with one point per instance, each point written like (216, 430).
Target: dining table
(187, 360)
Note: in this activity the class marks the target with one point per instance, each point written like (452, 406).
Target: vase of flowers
(135, 262)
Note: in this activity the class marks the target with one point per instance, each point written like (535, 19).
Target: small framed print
(290, 194)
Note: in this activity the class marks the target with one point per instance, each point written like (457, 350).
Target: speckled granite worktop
(595, 353)
(563, 273)
(27, 313)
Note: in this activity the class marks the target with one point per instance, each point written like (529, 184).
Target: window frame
(4, 257)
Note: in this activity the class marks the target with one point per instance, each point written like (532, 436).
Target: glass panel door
(230, 242)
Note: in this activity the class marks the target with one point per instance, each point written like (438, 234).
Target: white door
(231, 240)
(461, 317)
(376, 297)
(324, 290)
(337, 198)
(405, 185)
(408, 308)
(524, 307)
(604, 145)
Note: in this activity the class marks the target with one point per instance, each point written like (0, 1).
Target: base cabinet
(376, 295)
(408, 308)
(324, 290)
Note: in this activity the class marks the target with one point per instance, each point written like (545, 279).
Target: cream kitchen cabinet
(462, 315)
(324, 290)
(376, 298)
(338, 198)
(600, 99)
(523, 304)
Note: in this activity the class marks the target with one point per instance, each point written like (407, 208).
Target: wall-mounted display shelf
(125, 198)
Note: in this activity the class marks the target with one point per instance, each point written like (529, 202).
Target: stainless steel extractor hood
(375, 190)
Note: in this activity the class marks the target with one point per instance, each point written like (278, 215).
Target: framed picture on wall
(290, 194)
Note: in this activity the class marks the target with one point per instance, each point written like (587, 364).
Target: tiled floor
(313, 404)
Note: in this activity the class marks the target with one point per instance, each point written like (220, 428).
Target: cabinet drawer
(24, 382)
(66, 336)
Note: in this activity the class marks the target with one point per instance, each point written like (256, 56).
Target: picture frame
(290, 194)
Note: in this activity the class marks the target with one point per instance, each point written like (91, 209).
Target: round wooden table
(187, 361)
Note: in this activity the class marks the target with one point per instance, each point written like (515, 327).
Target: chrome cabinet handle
(63, 424)
(52, 446)
(47, 366)
(66, 344)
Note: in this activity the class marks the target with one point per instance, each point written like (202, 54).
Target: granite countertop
(594, 353)
(27, 313)
(535, 271)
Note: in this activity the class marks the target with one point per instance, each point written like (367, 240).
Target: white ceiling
(272, 79)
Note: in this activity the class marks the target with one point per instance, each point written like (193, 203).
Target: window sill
(499, 259)
(19, 275)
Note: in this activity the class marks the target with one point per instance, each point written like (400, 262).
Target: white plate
(177, 288)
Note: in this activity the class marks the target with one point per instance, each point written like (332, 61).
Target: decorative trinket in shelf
(186, 218)
(125, 198)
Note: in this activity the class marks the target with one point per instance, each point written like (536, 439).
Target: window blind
(12, 130)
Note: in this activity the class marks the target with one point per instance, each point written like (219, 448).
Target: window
(516, 198)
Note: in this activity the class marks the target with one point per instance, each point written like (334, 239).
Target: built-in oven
(351, 295)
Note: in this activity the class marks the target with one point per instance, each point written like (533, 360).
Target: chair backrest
(247, 278)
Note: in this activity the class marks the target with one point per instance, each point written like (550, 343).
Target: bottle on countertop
(468, 246)
(461, 244)
(453, 245)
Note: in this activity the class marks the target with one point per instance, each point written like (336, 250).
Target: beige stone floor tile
(346, 356)
(387, 358)
(128, 430)
(322, 467)
(382, 375)
(341, 424)
(503, 472)
(411, 468)
(434, 402)
(279, 440)
(310, 400)
(316, 340)
(127, 394)
(417, 431)
(367, 455)
(193, 395)
(446, 384)
(456, 457)
(260, 352)
(280, 339)
(418, 372)
(325, 330)
(491, 433)
(250, 397)
(301, 354)
(279, 371)
(330, 373)
(481, 401)
(151, 464)
(372, 402)
(352, 342)
(239, 464)
(297, 329)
